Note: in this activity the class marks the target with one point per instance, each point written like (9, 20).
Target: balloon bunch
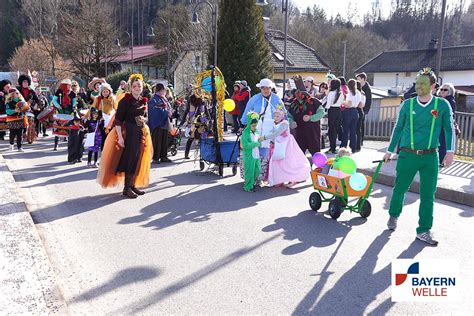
(345, 166)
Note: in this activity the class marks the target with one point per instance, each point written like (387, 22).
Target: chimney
(266, 23)
(433, 43)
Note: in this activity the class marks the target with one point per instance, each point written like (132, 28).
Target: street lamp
(168, 45)
(344, 60)
(130, 37)
(284, 9)
(195, 20)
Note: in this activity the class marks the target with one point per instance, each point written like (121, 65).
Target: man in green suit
(417, 129)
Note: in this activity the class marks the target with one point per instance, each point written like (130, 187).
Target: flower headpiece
(427, 71)
(280, 110)
(135, 77)
(253, 117)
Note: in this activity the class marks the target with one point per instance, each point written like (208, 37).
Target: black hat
(3, 83)
(299, 83)
(23, 78)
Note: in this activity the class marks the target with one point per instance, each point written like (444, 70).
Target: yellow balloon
(229, 105)
(330, 161)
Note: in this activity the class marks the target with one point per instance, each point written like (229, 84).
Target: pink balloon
(319, 160)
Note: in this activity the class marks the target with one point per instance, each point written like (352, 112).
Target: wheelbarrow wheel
(315, 201)
(366, 209)
(221, 170)
(201, 165)
(335, 208)
(234, 170)
(174, 151)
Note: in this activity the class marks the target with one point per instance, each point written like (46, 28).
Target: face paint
(423, 86)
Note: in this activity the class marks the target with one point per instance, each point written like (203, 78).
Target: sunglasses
(444, 90)
(263, 88)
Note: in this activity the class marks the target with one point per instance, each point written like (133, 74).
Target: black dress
(75, 143)
(308, 134)
(131, 115)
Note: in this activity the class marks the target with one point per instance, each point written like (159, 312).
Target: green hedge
(115, 78)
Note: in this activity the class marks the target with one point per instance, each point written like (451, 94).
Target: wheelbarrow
(337, 192)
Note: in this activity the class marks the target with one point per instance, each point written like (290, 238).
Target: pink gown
(294, 167)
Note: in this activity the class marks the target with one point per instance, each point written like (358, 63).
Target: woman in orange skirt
(128, 149)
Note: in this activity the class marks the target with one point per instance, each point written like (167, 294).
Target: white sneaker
(21, 150)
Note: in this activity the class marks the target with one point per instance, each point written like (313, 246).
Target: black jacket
(368, 97)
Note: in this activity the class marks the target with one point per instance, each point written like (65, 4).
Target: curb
(441, 193)
(27, 280)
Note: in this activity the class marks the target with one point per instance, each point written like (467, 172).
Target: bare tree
(89, 34)
(33, 55)
(173, 30)
(44, 16)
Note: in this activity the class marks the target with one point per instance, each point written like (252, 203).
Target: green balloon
(347, 165)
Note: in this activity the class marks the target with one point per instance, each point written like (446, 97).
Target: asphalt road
(198, 244)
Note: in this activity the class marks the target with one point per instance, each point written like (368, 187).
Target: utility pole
(441, 37)
(344, 60)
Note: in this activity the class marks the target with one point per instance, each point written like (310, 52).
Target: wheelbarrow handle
(377, 161)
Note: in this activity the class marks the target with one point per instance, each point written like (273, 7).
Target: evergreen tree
(242, 50)
(11, 30)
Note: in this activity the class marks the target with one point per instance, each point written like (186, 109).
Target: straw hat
(94, 81)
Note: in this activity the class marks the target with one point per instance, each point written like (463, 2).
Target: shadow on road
(140, 306)
(311, 229)
(121, 279)
(386, 193)
(194, 205)
(358, 287)
(69, 175)
(74, 207)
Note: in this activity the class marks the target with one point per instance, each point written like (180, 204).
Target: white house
(399, 68)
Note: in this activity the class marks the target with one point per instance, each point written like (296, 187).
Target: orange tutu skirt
(108, 176)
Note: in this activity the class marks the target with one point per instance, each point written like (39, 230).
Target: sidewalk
(27, 284)
(455, 184)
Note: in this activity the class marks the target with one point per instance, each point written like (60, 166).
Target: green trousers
(408, 165)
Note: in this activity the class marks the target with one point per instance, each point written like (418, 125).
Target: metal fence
(465, 142)
(380, 122)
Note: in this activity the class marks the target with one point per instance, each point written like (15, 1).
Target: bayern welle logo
(424, 280)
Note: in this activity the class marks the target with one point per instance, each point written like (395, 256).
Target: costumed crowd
(124, 132)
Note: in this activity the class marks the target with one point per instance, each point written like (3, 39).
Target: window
(278, 56)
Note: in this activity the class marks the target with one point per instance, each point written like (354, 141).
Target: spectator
(159, 114)
(447, 92)
(360, 113)
(310, 86)
(236, 112)
(362, 78)
(243, 98)
(344, 88)
(334, 102)
(350, 117)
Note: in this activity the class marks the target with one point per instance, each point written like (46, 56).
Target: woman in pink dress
(287, 162)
